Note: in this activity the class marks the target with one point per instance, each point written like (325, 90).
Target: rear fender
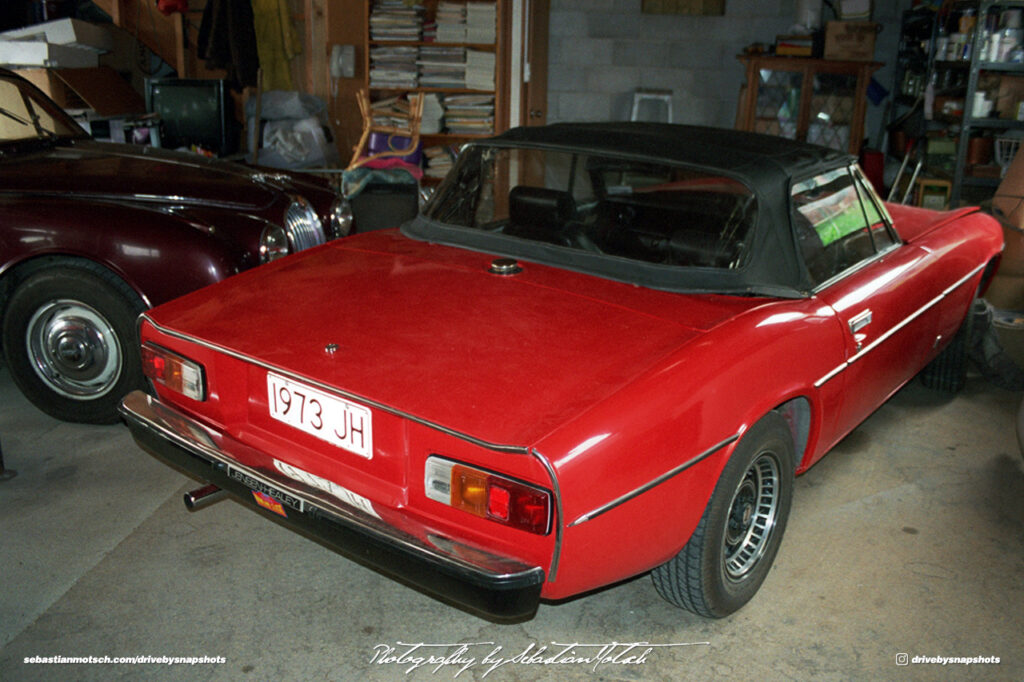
(637, 470)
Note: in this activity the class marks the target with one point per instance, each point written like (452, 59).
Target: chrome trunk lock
(505, 266)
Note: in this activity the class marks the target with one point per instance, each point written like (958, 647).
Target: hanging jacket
(227, 40)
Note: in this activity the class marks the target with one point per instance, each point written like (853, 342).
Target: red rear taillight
(174, 371)
(488, 495)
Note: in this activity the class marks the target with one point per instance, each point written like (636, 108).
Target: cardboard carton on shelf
(850, 40)
(99, 89)
(15, 53)
(66, 32)
(1007, 289)
(1009, 97)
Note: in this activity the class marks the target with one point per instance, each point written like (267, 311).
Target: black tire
(731, 551)
(70, 342)
(948, 371)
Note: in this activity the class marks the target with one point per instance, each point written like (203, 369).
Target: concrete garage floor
(907, 539)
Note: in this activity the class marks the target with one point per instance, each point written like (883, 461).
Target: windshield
(651, 212)
(24, 115)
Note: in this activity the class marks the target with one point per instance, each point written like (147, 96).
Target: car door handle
(860, 320)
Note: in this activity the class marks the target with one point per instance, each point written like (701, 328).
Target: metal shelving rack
(978, 64)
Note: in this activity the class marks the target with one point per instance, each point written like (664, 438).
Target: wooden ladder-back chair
(410, 129)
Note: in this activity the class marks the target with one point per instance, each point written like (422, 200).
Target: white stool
(655, 97)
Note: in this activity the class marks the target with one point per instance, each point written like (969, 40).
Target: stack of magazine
(451, 22)
(391, 112)
(432, 121)
(438, 161)
(395, 20)
(442, 67)
(469, 114)
(393, 67)
(480, 70)
(481, 22)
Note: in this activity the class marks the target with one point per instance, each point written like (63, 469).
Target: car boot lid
(443, 334)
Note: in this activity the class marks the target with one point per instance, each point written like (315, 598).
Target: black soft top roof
(768, 165)
(756, 157)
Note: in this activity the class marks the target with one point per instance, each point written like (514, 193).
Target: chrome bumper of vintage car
(492, 586)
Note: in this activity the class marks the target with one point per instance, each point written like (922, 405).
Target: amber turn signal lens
(173, 371)
(488, 495)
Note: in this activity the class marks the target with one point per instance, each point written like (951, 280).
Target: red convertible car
(602, 350)
(91, 234)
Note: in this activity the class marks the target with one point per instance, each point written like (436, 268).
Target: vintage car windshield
(25, 116)
(648, 212)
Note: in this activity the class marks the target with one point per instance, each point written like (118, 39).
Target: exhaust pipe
(203, 497)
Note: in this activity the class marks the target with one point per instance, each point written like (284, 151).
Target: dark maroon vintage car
(92, 234)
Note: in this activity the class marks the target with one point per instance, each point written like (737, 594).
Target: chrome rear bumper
(495, 587)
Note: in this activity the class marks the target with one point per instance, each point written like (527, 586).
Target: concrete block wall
(602, 50)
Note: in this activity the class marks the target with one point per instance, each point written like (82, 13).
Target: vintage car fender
(130, 240)
(703, 410)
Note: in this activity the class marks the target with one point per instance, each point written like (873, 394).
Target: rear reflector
(173, 371)
(488, 495)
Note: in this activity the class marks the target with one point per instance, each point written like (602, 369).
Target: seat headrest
(540, 206)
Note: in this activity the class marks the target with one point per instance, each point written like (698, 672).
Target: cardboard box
(1007, 288)
(850, 40)
(1009, 97)
(100, 89)
(67, 32)
(35, 53)
(1009, 209)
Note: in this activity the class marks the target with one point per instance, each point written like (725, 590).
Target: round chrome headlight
(273, 243)
(303, 225)
(341, 218)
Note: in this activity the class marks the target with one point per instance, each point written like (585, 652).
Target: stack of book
(395, 20)
(438, 161)
(469, 114)
(481, 22)
(433, 114)
(442, 66)
(480, 70)
(451, 22)
(390, 112)
(393, 67)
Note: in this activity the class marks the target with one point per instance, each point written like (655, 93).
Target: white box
(69, 32)
(34, 53)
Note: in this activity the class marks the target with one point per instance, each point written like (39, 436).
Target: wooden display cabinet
(821, 101)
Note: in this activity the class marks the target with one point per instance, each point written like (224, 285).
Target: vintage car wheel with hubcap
(70, 342)
(732, 549)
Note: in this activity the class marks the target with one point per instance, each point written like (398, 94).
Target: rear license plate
(332, 419)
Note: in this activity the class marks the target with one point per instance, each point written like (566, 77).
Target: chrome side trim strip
(916, 314)
(913, 316)
(553, 569)
(822, 381)
(135, 198)
(656, 482)
(496, 447)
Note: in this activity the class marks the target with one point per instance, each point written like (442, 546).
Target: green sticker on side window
(830, 203)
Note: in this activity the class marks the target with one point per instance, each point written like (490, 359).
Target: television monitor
(194, 112)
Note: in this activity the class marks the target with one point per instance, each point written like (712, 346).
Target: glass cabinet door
(832, 110)
(778, 102)
(822, 101)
